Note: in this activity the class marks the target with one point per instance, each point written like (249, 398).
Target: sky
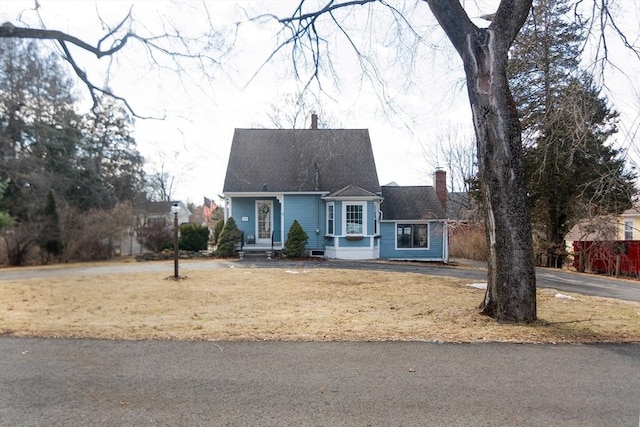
(413, 102)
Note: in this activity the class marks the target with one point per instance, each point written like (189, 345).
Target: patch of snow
(295, 272)
(477, 285)
(563, 296)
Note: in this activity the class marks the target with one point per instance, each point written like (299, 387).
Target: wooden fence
(618, 257)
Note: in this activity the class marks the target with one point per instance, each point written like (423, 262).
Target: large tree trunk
(511, 290)
(511, 294)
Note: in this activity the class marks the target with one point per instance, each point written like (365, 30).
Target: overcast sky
(419, 106)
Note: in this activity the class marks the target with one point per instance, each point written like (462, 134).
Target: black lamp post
(175, 209)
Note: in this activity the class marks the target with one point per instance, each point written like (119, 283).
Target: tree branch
(171, 43)
(298, 16)
(10, 31)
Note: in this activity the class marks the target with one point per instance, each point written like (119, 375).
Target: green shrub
(217, 229)
(296, 241)
(194, 237)
(228, 238)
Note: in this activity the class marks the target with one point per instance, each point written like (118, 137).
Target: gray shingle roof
(411, 203)
(283, 160)
(159, 208)
(352, 191)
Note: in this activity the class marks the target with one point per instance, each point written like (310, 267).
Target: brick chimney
(314, 121)
(440, 184)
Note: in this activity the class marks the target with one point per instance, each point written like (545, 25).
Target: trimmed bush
(296, 241)
(194, 237)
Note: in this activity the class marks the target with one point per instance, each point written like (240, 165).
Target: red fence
(609, 257)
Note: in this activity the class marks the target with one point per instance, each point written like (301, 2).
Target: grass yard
(294, 305)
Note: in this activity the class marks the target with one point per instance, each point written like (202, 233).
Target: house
(155, 212)
(147, 216)
(326, 179)
(629, 224)
(413, 224)
(609, 245)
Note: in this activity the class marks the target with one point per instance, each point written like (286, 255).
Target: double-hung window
(354, 216)
(331, 219)
(412, 236)
(628, 230)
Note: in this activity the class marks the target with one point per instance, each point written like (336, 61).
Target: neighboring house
(150, 214)
(629, 224)
(609, 244)
(161, 212)
(625, 226)
(326, 179)
(600, 228)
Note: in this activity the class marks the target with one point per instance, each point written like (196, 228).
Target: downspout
(445, 242)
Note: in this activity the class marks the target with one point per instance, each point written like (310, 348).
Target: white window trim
(256, 221)
(395, 228)
(627, 228)
(344, 217)
(332, 232)
(377, 217)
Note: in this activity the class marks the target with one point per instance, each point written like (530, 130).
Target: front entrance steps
(258, 253)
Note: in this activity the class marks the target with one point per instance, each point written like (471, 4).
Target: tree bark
(511, 290)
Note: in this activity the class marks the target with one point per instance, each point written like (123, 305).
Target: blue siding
(388, 243)
(246, 207)
(310, 211)
(330, 241)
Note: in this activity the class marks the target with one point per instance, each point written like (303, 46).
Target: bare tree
(161, 185)
(511, 291)
(456, 152)
(293, 111)
(172, 49)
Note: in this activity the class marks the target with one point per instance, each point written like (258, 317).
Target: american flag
(208, 208)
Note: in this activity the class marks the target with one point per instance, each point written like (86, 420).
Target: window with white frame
(412, 236)
(331, 218)
(628, 230)
(354, 218)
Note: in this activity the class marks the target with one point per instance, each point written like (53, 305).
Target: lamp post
(175, 209)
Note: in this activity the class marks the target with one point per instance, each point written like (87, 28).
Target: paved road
(561, 280)
(127, 383)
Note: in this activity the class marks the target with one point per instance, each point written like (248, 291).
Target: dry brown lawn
(294, 305)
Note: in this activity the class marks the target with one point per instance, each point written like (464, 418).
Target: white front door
(264, 219)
